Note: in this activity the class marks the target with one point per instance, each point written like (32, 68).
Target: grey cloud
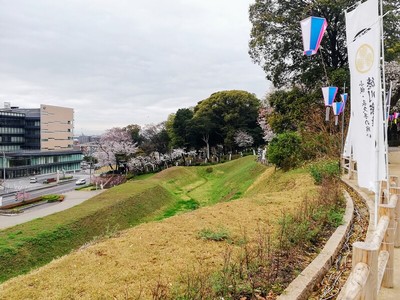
(122, 62)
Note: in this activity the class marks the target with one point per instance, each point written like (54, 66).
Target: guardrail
(373, 261)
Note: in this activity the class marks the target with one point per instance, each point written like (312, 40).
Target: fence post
(393, 181)
(351, 168)
(342, 165)
(382, 191)
(367, 253)
(396, 191)
(397, 221)
(388, 240)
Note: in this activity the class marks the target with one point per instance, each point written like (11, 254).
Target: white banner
(366, 128)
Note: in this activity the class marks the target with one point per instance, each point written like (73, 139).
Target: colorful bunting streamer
(329, 93)
(337, 106)
(312, 29)
(344, 100)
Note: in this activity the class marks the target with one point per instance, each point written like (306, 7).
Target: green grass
(144, 199)
(227, 181)
(143, 176)
(214, 235)
(180, 206)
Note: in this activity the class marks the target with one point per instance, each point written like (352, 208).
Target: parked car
(33, 180)
(80, 181)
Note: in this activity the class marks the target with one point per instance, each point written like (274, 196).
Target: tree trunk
(205, 138)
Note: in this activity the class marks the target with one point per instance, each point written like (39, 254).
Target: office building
(37, 141)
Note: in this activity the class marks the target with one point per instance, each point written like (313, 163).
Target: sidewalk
(71, 199)
(394, 169)
(393, 293)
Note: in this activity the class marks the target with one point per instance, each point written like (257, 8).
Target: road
(33, 190)
(72, 198)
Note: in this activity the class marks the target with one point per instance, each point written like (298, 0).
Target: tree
(393, 76)
(204, 128)
(155, 138)
(243, 139)
(276, 42)
(169, 126)
(134, 130)
(288, 108)
(115, 147)
(285, 150)
(182, 129)
(218, 117)
(264, 113)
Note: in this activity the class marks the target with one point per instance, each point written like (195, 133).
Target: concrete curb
(369, 204)
(46, 186)
(303, 285)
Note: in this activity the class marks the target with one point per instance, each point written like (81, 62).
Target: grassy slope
(36, 243)
(227, 182)
(129, 264)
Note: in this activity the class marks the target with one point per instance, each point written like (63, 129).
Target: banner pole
(383, 100)
(342, 144)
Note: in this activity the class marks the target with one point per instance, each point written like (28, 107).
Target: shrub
(130, 176)
(51, 198)
(335, 216)
(285, 150)
(209, 170)
(326, 170)
(319, 144)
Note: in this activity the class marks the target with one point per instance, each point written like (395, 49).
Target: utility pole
(4, 171)
(90, 162)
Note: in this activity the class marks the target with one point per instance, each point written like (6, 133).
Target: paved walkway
(71, 199)
(393, 293)
(394, 169)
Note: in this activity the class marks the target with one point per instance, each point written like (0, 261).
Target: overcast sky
(120, 62)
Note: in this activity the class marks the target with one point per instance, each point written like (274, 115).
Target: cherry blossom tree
(142, 164)
(115, 147)
(243, 139)
(393, 76)
(268, 134)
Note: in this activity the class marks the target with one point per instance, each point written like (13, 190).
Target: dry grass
(130, 264)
